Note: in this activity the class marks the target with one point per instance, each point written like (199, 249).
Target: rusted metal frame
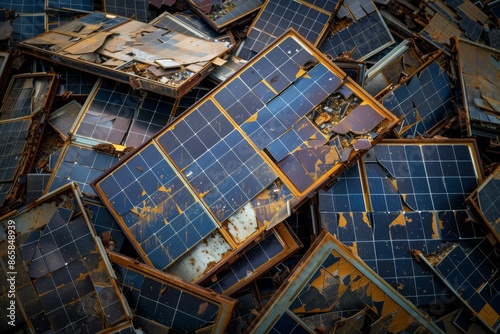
(225, 303)
(290, 245)
(317, 253)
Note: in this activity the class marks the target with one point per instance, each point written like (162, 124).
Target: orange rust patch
(399, 220)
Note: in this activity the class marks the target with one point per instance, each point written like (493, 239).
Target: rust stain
(408, 219)
(165, 190)
(342, 221)
(435, 232)
(302, 73)
(202, 308)
(354, 248)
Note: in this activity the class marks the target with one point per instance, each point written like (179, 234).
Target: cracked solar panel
(477, 67)
(139, 9)
(384, 235)
(105, 225)
(81, 165)
(217, 161)
(84, 5)
(310, 18)
(104, 45)
(64, 279)
(222, 15)
(365, 37)
(470, 272)
(162, 302)
(331, 279)
(486, 202)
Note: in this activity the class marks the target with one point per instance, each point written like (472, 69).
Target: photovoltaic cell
(86, 5)
(367, 36)
(278, 15)
(104, 223)
(27, 26)
(35, 186)
(18, 101)
(80, 165)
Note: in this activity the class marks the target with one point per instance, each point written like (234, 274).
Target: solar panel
(468, 271)
(36, 184)
(109, 113)
(161, 301)
(259, 258)
(14, 134)
(27, 26)
(366, 37)
(310, 19)
(222, 15)
(23, 6)
(104, 223)
(71, 286)
(63, 119)
(472, 28)
(139, 9)
(330, 279)
(85, 5)
(74, 81)
(81, 165)
(219, 155)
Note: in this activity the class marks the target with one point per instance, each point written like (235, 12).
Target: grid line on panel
(14, 134)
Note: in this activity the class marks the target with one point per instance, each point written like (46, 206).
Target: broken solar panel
(222, 15)
(77, 5)
(477, 66)
(105, 226)
(35, 185)
(268, 252)
(74, 82)
(163, 302)
(108, 112)
(103, 44)
(360, 28)
(138, 9)
(64, 280)
(422, 101)
(22, 134)
(27, 25)
(486, 203)
(308, 17)
(228, 149)
(331, 279)
(401, 196)
(470, 273)
(27, 94)
(64, 118)
(439, 30)
(81, 165)
(400, 63)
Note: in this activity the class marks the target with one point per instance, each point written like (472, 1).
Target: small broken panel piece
(162, 301)
(67, 281)
(470, 271)
(138, 9)
(64, 118)
(259, 258)
(134, 44)
(439, 30)
(486, 203)
(81, 165)
(422, 101)
(478, 70)
(360, 38)
(310, 19)
(105, 226)
(224, 14)
(329, 278)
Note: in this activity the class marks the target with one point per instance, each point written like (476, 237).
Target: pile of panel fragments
(262, 166)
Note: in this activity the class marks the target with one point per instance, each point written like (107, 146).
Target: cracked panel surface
(72, 288)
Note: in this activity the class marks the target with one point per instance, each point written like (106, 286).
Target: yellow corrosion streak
(366, 220)
(354, 248)
(269, 86)
(489, 315)
(303, 73)
(435, 232)
(165, 190)
(399, 220)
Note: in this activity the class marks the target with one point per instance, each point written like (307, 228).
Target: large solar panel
(162, 302)
(331, 279)
(65, 283)
(421, 102)
(223, 153)
(365, 36)
(14, 135)
(311, 19)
